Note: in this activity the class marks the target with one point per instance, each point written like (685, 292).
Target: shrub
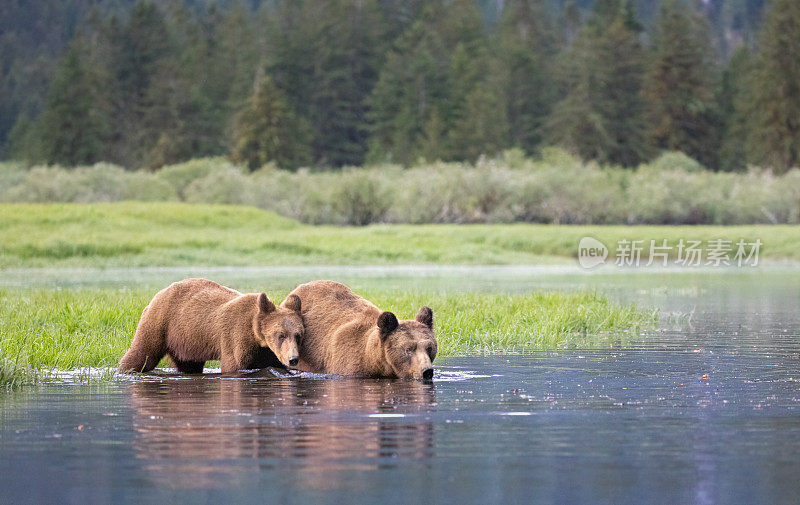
(359, 197)
(226, 185)
(555, 188)
(180, 176)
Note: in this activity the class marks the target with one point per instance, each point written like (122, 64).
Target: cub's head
(280, 328)
(409, 346)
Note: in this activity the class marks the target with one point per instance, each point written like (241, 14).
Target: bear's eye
(430, 351)
(281, 337)
(410, 349)
(297, 336)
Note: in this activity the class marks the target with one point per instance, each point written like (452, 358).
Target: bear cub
(346, 334)
(196, 320)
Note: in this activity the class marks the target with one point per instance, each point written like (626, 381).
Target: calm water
(705, 410)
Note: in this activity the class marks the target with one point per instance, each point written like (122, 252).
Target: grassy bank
(71, 329)
(175, 234)
(553, 188)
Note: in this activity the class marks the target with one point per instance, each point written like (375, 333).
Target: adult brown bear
(346, 334)
(196, 320)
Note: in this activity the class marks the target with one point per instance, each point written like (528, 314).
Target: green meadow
(131, 234)
(47, 329)
(44, 329)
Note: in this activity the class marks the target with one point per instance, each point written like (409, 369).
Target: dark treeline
(349, 82)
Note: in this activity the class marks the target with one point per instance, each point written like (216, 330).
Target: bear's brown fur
(346, 334)
(196, 320)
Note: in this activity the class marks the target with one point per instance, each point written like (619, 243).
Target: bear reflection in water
(192, 432)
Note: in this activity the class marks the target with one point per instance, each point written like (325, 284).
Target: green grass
(44, 329)
(176, 234)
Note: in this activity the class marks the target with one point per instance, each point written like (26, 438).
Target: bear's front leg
(228, 360)
(234, 360)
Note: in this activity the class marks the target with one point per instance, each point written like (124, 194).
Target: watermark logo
(683, 253)
(591, 252)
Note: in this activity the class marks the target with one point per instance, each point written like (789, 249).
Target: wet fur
(343, 336)
(196, 320)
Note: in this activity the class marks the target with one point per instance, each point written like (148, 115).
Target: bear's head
(280, 328)
(408, 346)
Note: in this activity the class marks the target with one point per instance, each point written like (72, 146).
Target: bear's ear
(387, 323)
(264, 304)
(425, 316)
(292, 302)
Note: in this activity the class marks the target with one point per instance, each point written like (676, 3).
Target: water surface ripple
(705, 410)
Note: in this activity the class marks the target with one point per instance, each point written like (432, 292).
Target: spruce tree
(525, 48)
(235, 51)
(484, 130)
(465, 47)
(601, 114)
(71, 131)
(774, 109)
(138, 50)
(267, 130)
(680, 85)
(732, 100)
(325, 57)
(411, 88)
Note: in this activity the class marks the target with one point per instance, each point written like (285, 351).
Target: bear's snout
(293, 361)
(427, 374)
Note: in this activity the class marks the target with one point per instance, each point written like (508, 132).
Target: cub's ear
(387, 323)
(292, 302)
(425, 316)
(264, 304)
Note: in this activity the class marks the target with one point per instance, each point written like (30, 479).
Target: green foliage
(774, 108)
(71, 131)
(680, 85)
(733, 105)
(146, 84)
(325, 57)
(525, 46)
(601, 116)
(43, 330)
(483, 128)
(133, 234)
(101, 182)
(180, 176)
(361, 197)
(267, 130)
(557, 188)
(410, 93)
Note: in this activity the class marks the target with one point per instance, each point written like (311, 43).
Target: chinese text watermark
(682, 253)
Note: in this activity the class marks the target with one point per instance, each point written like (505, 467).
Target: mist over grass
(43, 329)
(555, 188)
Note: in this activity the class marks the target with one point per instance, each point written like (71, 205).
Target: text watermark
(662, 252)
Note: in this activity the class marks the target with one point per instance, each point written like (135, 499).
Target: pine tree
(601, 115)
(235, 53)
(466, 48)
(411, 88)
(70, 130)
(138, 48)
(774, 89)
(732, 100)
(325, 57)
(24, 141)
(484, 129)
(267, 130)
(525, 47)
(171, 120)
(680, 84)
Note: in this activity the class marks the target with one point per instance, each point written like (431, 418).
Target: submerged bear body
(196, 320)
(346, 334)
